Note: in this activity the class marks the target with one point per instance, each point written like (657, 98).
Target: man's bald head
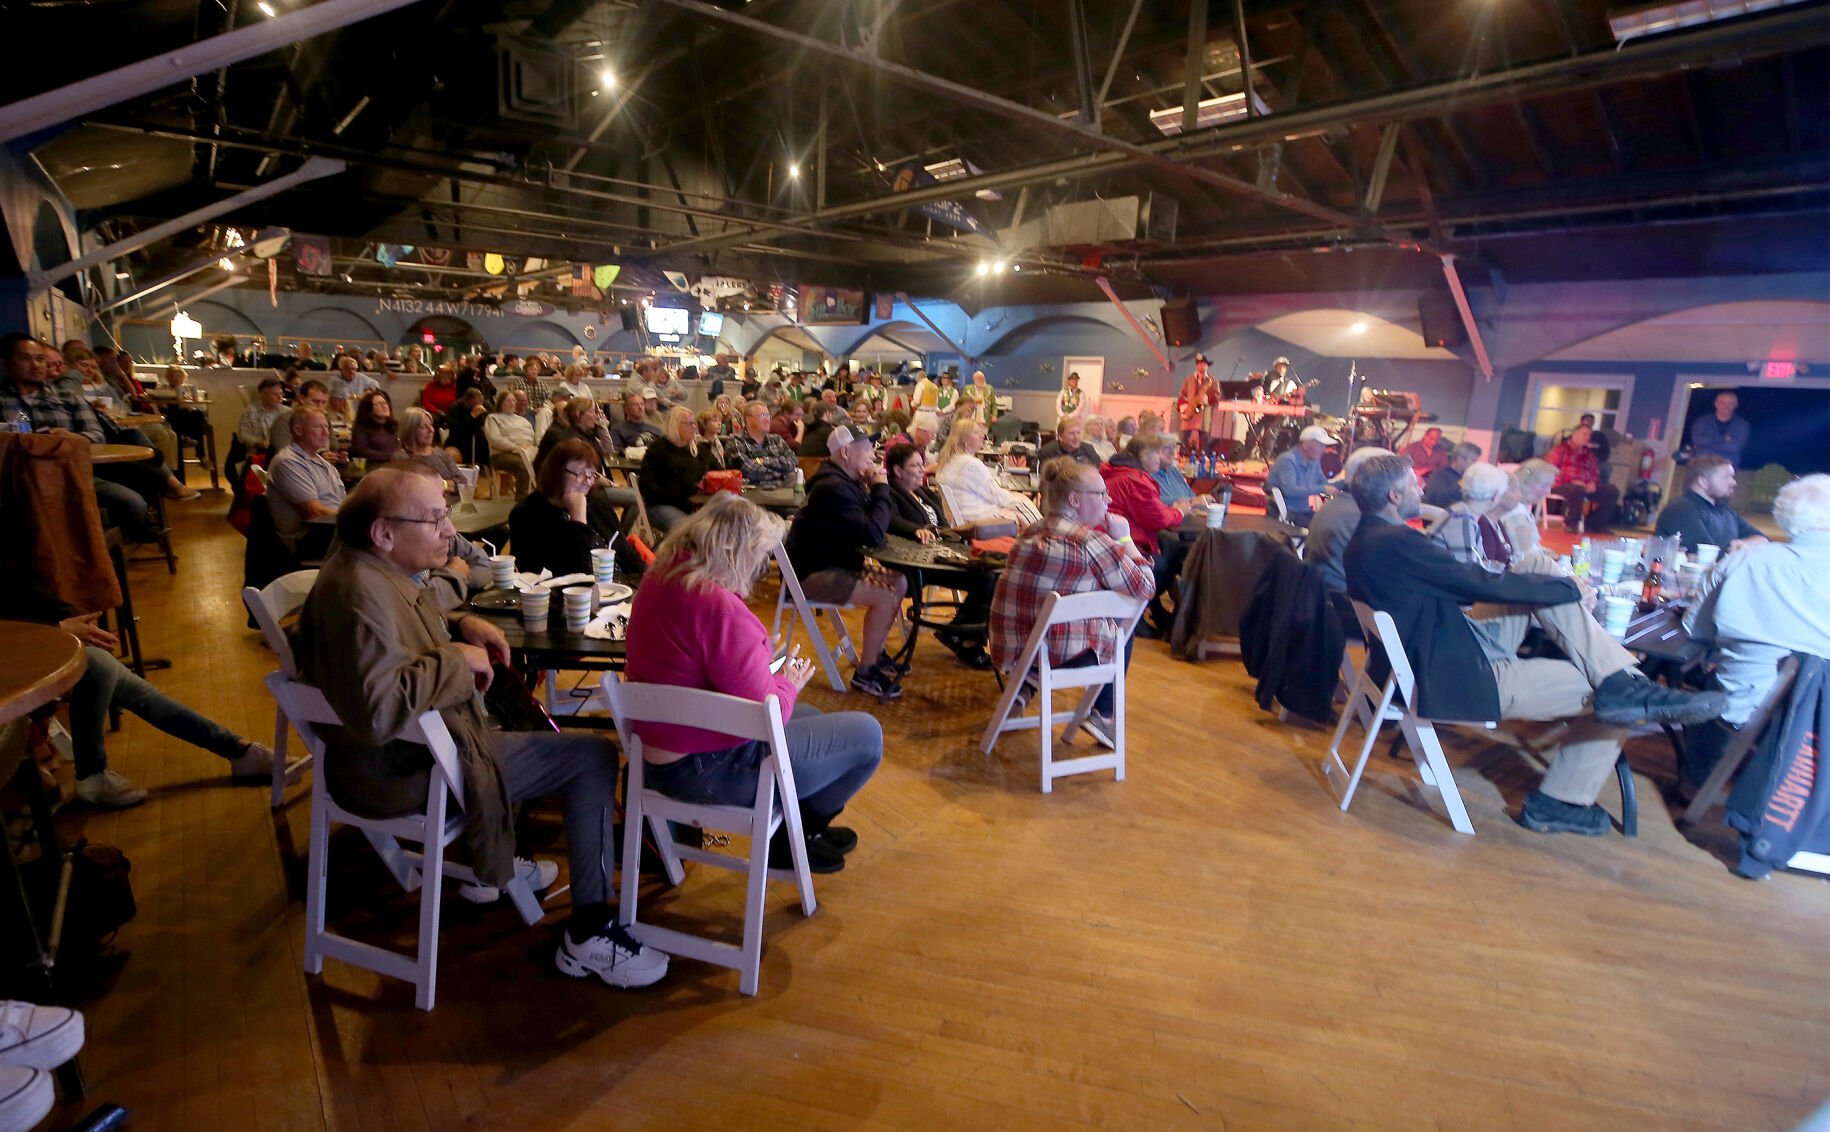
(384, 491)
(303, 417)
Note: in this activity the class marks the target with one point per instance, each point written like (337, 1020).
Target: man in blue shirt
(1724, 434)
(1298, 473)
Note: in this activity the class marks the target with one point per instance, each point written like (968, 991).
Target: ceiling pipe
(68, 103)
(312, 170)
(1137, 327)
(965, 357)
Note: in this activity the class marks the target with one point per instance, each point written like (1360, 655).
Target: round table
(38, 664)
(119, 453)
(945, 563)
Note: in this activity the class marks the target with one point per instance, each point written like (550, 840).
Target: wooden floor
(1210, 943)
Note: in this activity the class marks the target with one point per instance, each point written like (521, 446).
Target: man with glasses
(1078, 547)
(373, 638)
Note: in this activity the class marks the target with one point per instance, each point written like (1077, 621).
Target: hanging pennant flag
(676, 278)
(886, 303)
(513, 264)
(273, 282)
(435, 257)
(492, 263)
(311, 254)
(474, 260)
(533, 264)
(390, 254)
(604, 274)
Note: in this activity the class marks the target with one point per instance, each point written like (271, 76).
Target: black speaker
(1440, 320)
(632, 318)
(1181, 322)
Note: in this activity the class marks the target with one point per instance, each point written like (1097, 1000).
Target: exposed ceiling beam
(68, 103)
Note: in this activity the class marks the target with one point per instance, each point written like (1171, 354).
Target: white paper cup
(577, 601)
(536, 604)
(1707, 555)
(1616, 613)
(1216, 518)
(1613, 565)
(603, 565)
(502, 570)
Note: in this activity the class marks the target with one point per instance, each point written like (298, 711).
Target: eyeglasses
(436, 520)
(1091, 491)
(582, 473)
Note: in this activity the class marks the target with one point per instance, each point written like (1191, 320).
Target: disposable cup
(1216, 518)
(1613, 565)
(577, 601)
(1707, 555)
(1617, 612)
(603, 565)
(536, 604)
(502, 570)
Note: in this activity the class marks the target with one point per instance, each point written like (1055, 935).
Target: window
(1555, 402)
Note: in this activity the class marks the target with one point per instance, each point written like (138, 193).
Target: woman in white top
(512, 442)
(573, 384)
(967, 485)
(1533, 479)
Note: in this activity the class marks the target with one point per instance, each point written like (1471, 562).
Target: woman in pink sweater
(690, 628)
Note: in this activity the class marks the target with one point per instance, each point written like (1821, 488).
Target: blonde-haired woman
(573, 383)
(672, 469)
(691, 628)
(418, 434)
(512, 443)
(967, 485)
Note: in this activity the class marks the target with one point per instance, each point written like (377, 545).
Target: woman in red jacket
(1132, 492)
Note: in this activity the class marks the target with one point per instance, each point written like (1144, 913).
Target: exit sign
(1779, 371)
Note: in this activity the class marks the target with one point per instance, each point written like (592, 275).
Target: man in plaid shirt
(1076, 548)
(764, 456)
(1581, 479)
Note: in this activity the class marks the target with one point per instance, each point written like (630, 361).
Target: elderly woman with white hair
(1533, 480)
(1098, 432)
(1761, 604)
(1333, 526)
(1472, 530)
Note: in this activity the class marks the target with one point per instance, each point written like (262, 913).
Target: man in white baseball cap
(849, 505)
(1298, 473)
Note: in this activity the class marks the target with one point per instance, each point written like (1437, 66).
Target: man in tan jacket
(373, 636)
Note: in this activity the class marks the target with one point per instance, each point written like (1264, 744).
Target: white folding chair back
(641, 528)
(432, 830)
(1277, 503)
(776, 804)
(270, 606)
(261, 477)
(1394, 702)
(1060, 610)
(792, 602)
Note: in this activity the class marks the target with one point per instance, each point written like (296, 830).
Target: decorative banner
(831, 306)
(886, 304)
(474, 260)
(390, 254)
(952, 213)
(435, 257)
(312, 255)
(710, 288)
(273, 282)
(604, 274)
(582, 288)
(678, 280)
(493, 264)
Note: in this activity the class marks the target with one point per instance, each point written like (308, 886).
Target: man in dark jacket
(849, 506)
(1702, 516)
(1068, 442)
(1444, 486)
(1462, 676)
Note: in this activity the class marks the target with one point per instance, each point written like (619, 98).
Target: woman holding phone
(690, 628)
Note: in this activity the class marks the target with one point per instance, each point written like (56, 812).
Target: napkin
(600, 627)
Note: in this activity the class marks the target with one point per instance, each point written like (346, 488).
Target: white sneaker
(38, 1037)
(26, 1097)
(256, 762)
(109, 791)
(539, 876)
(612, 955)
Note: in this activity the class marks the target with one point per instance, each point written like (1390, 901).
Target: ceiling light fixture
(609, 78)
(1208, 112)
(794, 170)
(984, 268)
(1656, 18)
(1358, 327)
(266, 8)
(999, 267)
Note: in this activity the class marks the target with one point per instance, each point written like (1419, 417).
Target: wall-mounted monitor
(667, 321)
(711, 324)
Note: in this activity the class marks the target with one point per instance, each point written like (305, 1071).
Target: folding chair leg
(756, 888)
(1426, 748)
(280, 728)
(317, 861)
(1629, 798)
(431, 893)
(632, 851)
(1001, 713)
(1045, 699)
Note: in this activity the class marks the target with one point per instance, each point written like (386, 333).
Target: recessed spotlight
(984, 268)
(266, 8)
(794, 170)
(1358, 327)
(999, 267)
(1016, 267)
(608, 78)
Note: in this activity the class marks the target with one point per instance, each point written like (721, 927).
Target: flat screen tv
(671, 321)
(711, 324)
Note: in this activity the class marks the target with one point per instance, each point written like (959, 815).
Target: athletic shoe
(822, 857)
(109, 791)
(183, 495)
(539, 876)
(38, 1037)
(26, 1096)
(878, 682)
(1544, 814)
(254, 764)
(611, 954)
(837, 837)
(1628, 699)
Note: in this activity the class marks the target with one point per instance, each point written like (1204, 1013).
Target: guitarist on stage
(1278, 382)
(1199, 393)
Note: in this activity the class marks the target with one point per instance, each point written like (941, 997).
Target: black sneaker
(1544, 814)
(838, 837)
(1628, 699)
(821, 857)
(875, 681)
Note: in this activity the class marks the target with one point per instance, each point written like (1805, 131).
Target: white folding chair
(1060, 610)
(261, 477)
(642, 528)
(1278, 506)
(433, 830)
(1395, 698)
(776, 804)
(792, 602)
(270, 606)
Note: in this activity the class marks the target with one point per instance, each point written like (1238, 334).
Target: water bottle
(800, 483)
(21, 422)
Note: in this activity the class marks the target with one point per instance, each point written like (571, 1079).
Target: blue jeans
(584, 768)
(665, 518)
(108, 682)
(1104, 702)
(123, 507)
(833, 757)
